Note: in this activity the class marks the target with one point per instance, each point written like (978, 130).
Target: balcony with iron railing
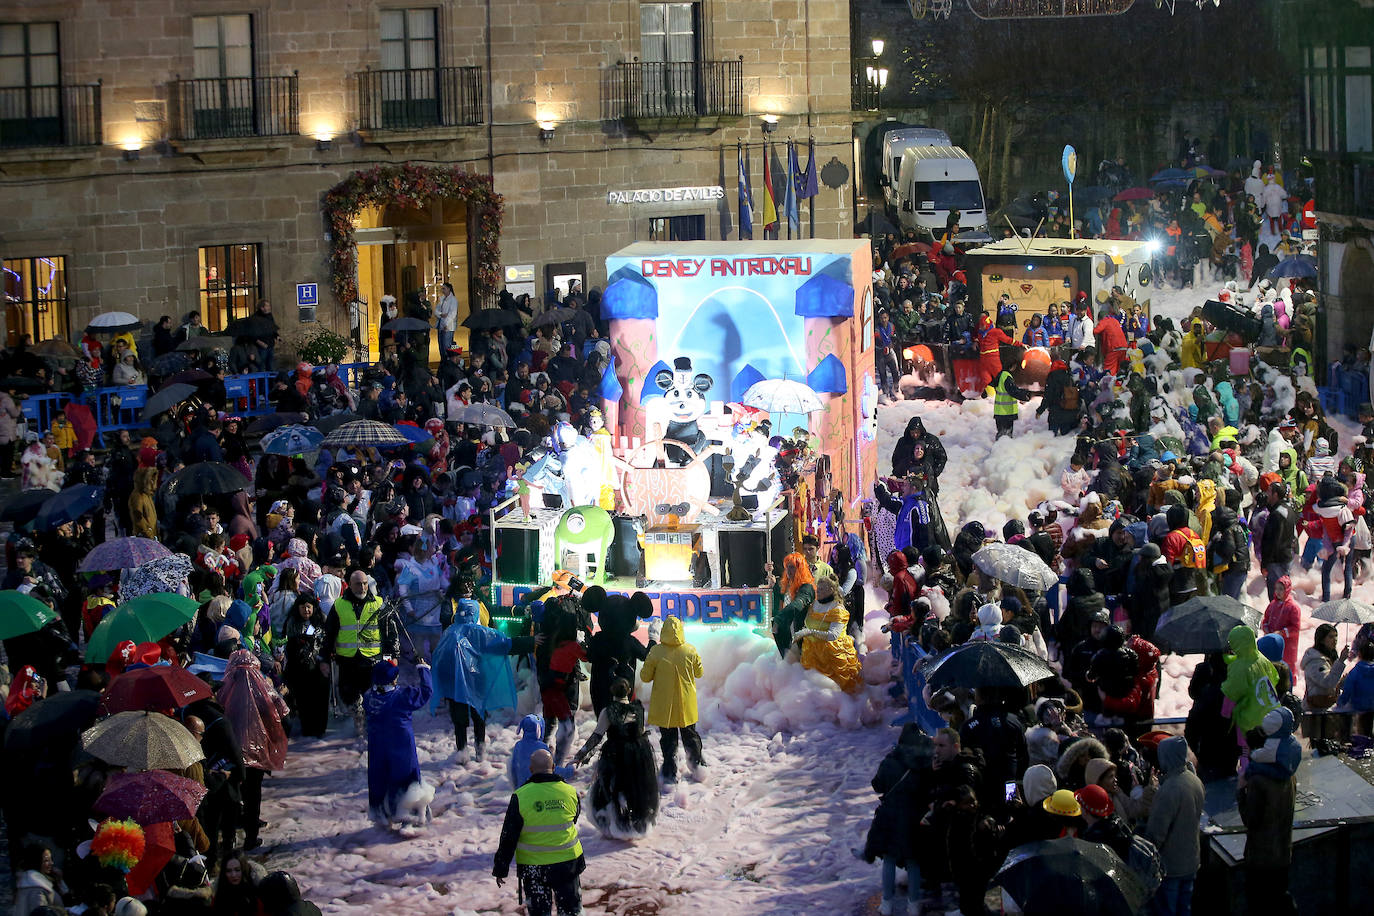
(434, 100)
(235, 108)
(698, 93)
(50, 116)
(1344, 183)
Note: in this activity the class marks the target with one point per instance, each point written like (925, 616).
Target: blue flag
(807, 187)
(789, 201)
(746, 201)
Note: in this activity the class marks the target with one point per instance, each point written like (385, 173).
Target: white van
(934, 180)
(897, 142)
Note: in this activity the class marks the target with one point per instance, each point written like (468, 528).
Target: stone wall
(130, 229)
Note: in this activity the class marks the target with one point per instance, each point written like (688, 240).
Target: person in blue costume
(531, 739)
(472, 671)
(395, 789)
(919, 521)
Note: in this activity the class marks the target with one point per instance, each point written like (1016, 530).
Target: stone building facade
(161, 156)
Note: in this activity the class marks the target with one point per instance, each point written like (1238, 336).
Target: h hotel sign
(666, 195)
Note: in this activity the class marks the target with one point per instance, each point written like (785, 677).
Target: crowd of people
(1193, 475)
(330, 582)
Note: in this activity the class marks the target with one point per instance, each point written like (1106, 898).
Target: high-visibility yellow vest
(1003, 404)
(360, 633)
(549, 834)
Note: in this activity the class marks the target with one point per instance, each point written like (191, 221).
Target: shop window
(230, 283)
(35, 298)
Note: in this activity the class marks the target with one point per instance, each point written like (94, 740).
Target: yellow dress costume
(827, 648)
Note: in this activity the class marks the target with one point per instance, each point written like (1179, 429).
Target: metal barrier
(39, 410)
(248, 393)
(118, 407)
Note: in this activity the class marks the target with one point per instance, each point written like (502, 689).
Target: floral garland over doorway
(414, 186)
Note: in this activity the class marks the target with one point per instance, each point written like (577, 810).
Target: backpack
(1068, 397)
(1195, 553)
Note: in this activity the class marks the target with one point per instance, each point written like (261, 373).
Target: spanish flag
(770, 209)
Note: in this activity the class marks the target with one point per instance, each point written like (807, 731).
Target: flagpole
(811, 201)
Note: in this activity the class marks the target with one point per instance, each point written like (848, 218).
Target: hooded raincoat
(254, 710)
(472, 663)
(1250, 680)
(673, 667)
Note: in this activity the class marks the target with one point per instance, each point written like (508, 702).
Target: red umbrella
(156, 688)
(150, 797)
(159, 845)
(1135, 194)
(910, 248)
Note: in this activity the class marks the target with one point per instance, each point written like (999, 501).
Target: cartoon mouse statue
(684, 395)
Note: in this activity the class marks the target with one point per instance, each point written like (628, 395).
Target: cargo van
(897, 142)
(932, 181)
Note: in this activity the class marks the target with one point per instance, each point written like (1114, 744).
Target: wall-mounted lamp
(131, 146)
(770, 123)
(324, 143)
(131, 155)
(546, 129)
(878, 45)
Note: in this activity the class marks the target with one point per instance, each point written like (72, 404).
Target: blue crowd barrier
(118, 407)
(40, 409)
(248, 393)
(910, 655)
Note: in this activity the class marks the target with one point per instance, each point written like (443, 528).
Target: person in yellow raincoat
(673, 667)
(1192, 352)
(825, 645)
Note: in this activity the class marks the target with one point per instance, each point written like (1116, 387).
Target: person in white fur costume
(39, 471)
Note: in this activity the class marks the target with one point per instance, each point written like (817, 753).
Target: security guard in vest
(1005, 395)
(356, 636)
(540, 831)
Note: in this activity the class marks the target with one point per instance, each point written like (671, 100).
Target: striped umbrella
(364, 434)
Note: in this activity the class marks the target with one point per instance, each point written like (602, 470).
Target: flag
(807, 187)
(746, 201)
(789, 200)
(770, 209)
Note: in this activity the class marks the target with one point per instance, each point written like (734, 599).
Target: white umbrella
(114, 322)
(484, 415)
(1016, 566)
(1344, 610)
(780, 395)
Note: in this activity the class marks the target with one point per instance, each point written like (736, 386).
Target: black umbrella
(56, 720)
(487, 319)
(206, 478)
(23, 383)
(169, 363)
(406, 324)
(23, 507)
(206, 342)
(166, 399)
(1200, 625)
(1069, 875)
(189, 377)
(556, 315)
(254, 327)
(265, 424)
(332, 422)
(987, 663)
(69, 505)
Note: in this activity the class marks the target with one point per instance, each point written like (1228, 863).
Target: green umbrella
(146, 618)
(21, 613)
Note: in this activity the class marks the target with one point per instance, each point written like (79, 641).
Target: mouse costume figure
(684, 393)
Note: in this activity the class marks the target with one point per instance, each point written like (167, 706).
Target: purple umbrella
(123, 553)
(150, 797)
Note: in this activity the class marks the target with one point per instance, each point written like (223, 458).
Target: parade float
(737, 414)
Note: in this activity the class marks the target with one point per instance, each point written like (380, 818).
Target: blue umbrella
(69, 505)
(414, 434)
(1170, 175)
(1297, 266)
(292, 440)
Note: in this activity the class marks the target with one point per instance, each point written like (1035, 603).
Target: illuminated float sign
(708, 606)
(726, 267)
(666, 195)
